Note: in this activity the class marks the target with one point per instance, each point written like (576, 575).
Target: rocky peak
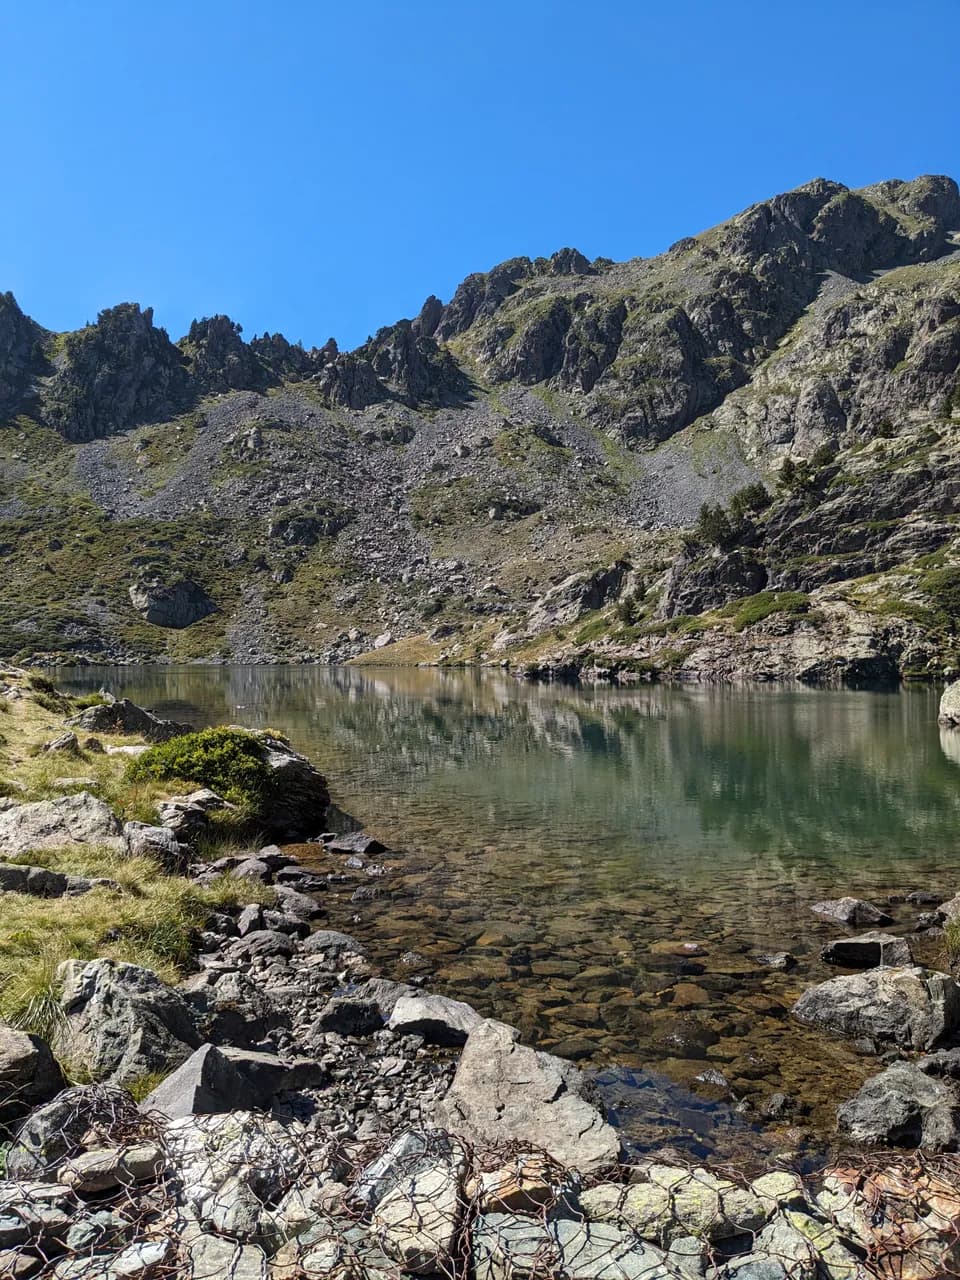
(219, 359)
(112, 374)
(570, 262)
(480, 295)
(21, 352)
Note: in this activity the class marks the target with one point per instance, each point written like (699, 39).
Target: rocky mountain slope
(736, 459)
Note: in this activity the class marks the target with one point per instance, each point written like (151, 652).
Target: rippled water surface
(563, 844)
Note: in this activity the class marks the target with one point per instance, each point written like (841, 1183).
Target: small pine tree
(713, 525)
(789, 476)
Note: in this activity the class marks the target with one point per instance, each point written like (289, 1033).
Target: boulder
(176, 605)
(299, 798)
(51, 824)
(29, 1073)
(852, 911)
(64, 743)
(867, 950)
(207, 1083)
(910, 1007)
(121, 1022)
(903, 1107)
(184, 819)
(950, 706)
(357, 842)
(330, 942)
(439, 1020)
(506, 1092)
(120, 715)
(146, 841)
(54, 1131)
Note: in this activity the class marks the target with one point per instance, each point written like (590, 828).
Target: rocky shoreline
(284, 1111)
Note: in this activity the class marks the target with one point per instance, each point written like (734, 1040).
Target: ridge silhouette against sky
(319, 168)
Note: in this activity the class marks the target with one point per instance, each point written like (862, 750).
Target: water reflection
(561, 840)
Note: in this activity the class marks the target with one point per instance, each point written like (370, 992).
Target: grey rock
(355, 842)
(403, 1159)
(330, 942)
(417, 1220)
(212, 1257)
(949, 714)
(54, 1131)
(147, 841)
(295, 904)
(50, 824)
(91, 1172)
(120, 715)
(39, 882)
(438, 1019)
(121, 1022)
(261, 942)
(852, 911)
(911, 1007)
(602, 1251)
(867, 950)
(903, 1107)
(506, 1092)
(207, 1083)
(29, 1073)
(176, 605)
(299, 798)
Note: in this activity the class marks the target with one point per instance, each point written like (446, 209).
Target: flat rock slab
(51, 824)
(851, 911)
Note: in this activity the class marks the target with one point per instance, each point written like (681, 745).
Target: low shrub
(229, 761)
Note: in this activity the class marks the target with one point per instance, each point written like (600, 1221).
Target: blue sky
(319, 168)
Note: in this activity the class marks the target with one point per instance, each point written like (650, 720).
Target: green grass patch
(229, 761)
(746, 612)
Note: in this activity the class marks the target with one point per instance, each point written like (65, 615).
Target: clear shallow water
(562, 844)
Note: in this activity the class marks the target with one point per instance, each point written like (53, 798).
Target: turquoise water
(561, 844)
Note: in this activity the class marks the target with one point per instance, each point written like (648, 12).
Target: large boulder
(504, 1091)
(120, 715)
(867, 950)
(121, 1022)
(207, 1083)
(903, 1107)
(51, 824)
(175, 605)
(29, 1073)
(910, 1007)
(145, 840)
(41, 882)
(299, 798)
(950, 706)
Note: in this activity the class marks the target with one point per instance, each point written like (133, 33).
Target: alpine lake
(610, 869)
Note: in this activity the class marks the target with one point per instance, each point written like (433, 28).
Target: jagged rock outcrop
(21, 353)
(117, 372)
(220, 360)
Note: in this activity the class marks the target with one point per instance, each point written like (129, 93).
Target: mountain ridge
(430, 489)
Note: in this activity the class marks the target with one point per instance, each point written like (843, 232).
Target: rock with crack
(417, 1221)
(504, 1091)
(904, 1107)
(51, 824)
(911, 1007)
(121, 1022)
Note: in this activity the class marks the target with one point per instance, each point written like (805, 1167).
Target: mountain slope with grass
(736, 459)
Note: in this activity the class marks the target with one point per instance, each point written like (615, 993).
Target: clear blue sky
(319, 168)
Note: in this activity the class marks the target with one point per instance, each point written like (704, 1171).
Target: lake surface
(564, 846)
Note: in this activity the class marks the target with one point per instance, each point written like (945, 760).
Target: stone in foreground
(504, 1091)
(29, 1073)
(205, 1084)
(910, 1007)
(903, 1107)
(418, 1219)
(50, 824)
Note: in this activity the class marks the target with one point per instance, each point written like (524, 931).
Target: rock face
(171, 604)
(121, 1022)
(506, 1092)
(903, 1107)
(50, 824)
(911, 1007)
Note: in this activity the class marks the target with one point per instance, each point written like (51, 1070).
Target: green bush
(229, 761)
(751, 498)
(713, 526)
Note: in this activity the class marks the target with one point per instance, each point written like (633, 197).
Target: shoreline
(313, 1014)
